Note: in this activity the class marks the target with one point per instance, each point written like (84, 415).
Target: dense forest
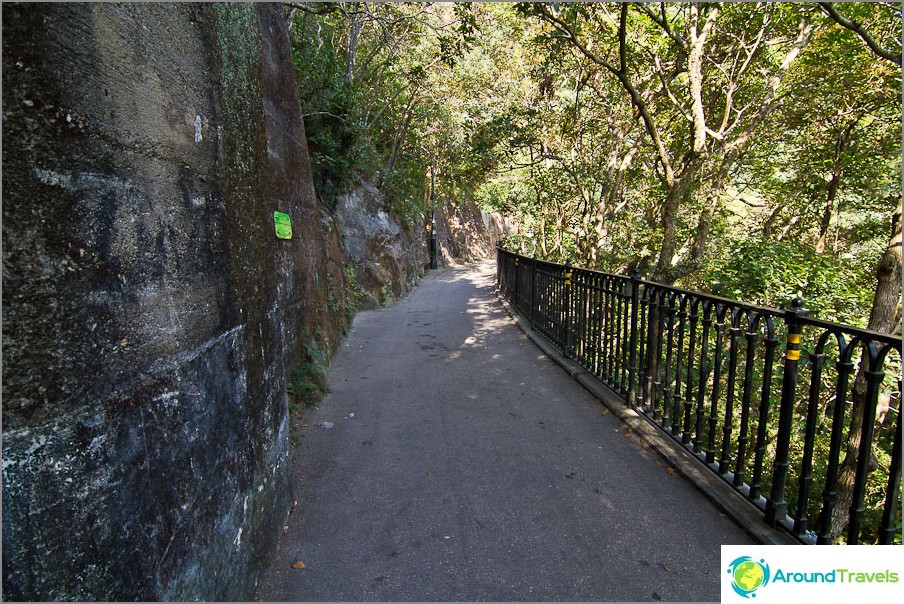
(751, 150)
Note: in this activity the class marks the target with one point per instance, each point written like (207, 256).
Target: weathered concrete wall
(149, 313)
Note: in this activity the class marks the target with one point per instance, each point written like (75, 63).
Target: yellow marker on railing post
(569, 336)
(776, 506)
(792, 350)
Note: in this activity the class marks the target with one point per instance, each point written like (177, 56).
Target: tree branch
(619, 73)
(661, 21)
(323, 9)
(858, 29)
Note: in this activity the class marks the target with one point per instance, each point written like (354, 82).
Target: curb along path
(463, 464)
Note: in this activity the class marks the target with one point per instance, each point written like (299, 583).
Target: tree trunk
(354, 30)
(883, 317)
(829, 210)
(399, 141)
(714, 189)
(676, 195)
(841, 145)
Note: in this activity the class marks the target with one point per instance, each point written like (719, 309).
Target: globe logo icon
(748, 575)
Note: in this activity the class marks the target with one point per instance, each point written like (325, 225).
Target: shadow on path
(463, 465)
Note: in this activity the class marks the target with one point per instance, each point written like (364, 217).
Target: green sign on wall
(283, 225)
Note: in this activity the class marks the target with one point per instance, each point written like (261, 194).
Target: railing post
(632, 340)
(776, 506)
(515, 300)
(533, 287)
(569, 336)
(498, 267)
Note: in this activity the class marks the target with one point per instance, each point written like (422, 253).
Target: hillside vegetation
(752, 150)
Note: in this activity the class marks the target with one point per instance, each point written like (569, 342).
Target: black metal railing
(768, 399)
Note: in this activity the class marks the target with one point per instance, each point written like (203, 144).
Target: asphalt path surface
(462, 464)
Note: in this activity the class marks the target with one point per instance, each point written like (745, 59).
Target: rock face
(386, 260)
(461, 234)
(149, 312)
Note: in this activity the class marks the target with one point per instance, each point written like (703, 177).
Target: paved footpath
(463, 465)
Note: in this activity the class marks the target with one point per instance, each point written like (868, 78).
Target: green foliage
(354, 295)
(368, 78)
(307, 383)
(772, 273)
(338, 142)
(502, 104)
(405, 187)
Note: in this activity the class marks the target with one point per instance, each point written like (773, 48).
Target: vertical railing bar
(734, 334)
(678, 415)
(805, 481)
(715, 393)
(609, 335)
(657, 398)
(632, 345)
(588, 355)
(585, 319)
(687, 433)
(589, 348)
(533, 288)
(623, 300)
(600, 299)
(704, 372)
(646, 346)
(751, 336)
(605, 327)
(888, 527)
(665, 386)
(771, 343)
(669, 390)
(601, 326)
(844, 368)
(874, 376)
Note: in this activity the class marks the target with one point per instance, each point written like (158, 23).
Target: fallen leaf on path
(670, 470)
(669, 569)
(429, 474)
(298, 565)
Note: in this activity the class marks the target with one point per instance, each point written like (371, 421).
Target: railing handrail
(683, 360)
(869, 334)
